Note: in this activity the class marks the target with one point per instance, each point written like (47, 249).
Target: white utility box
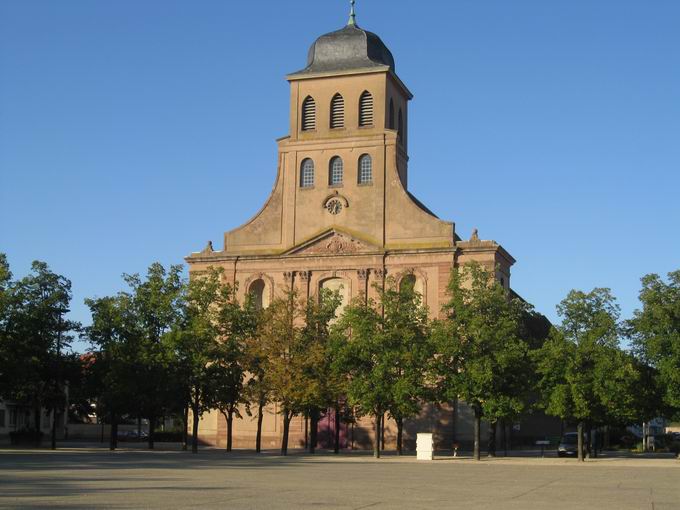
(425, 447)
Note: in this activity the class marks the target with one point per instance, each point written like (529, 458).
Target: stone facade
(347, 233)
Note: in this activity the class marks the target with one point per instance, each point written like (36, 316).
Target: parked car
(132, 435)
(568, 446)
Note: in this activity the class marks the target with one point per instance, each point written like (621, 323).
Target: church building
(341, 216)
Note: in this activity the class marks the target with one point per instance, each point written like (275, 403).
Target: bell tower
(344, 165)
(350, 89)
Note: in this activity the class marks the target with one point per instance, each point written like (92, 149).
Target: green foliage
(194, 341)
(655, 330)
(482, 355)
(293, 336)
(584, 375)
(235, 324)
(385, 353)
(135, 364)
(35, 337)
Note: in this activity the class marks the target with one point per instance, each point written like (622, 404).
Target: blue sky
(134, 131)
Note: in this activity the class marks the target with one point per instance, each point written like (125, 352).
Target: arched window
(400, 130)
(411, 283)
(341, 287)
(366, 109)
(365, 169)
(407, 283)
(337, 112)
(308, 114)
(256, 292)
(335, 171)
(391, 120)
(307, 173)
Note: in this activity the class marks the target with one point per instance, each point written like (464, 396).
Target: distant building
(16, 417)
(341, 216)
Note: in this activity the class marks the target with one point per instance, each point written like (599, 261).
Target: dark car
(132, 435)
(568, 446)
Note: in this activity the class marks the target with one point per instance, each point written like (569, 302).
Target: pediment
(332, 243)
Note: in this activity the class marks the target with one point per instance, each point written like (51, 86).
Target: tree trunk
(258, 436)
(382, 432)
(113, 436)
(607, 437)
(306, 430)
(230, 428)
(478, 425)
(194, 429)
(589, 434)
(152, 429)
(491, 446)
(580, 441)
(185, 431)
(400, 434)
(54, 429)
(313, 430)
(352, 437)
(376, 443)
(37, 419)
(337, 430)
(505, 438)
(287, 416)
(454, 421)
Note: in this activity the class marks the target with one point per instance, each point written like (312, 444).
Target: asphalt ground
(136, 478)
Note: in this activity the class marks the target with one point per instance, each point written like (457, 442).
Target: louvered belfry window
(337, 112)
(366, 109)
(308, 114)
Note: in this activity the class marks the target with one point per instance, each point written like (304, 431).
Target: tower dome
(346, 49)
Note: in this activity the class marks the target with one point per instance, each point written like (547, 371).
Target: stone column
(305, 277)
(363, 275)
(289, 279)
(379, 276)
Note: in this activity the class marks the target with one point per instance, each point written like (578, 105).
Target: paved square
(213, 479)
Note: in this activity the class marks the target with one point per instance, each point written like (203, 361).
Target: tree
(583, 375)
(324, 384)
(235, 325)
(280, 339)
(289, 358)
(194, 341)
(257, 390)
(655, 331)
(367, 360)
(35, 340)
(155, 305)
(406, 329)
(113, 372)
(481, 355)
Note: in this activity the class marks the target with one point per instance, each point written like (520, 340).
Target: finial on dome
(352, 14)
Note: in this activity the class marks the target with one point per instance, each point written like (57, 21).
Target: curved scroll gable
(263, 230)
(409, 224)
